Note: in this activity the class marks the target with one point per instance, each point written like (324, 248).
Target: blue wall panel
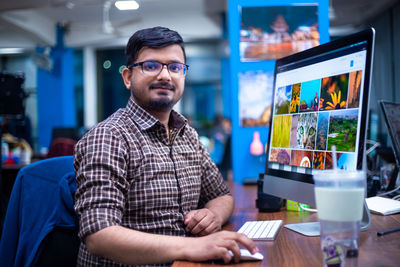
(226, 88)
(246, 165)
(55, 93)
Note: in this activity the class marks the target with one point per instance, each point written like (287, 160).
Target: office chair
(40, 226)
(61, 147)
(65, 132)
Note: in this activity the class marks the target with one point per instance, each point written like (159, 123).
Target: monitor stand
(313, 228)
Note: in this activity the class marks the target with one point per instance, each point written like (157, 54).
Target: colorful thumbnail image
(322, 130)
(293, 131)
(306, 131)
(343, 130)
(309, 95)
(328, 161)
(295, 99)
(345, 161)
(319, 160)
(334, 92)
(302, 158)
(282, 100)
(354, 89)
(281, 131)
(282, 156)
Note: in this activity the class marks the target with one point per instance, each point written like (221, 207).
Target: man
(148, 192)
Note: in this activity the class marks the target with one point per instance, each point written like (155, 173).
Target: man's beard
(160, 104)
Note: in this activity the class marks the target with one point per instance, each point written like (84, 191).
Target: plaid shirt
(130, 173)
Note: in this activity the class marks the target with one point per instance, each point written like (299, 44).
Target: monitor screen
(320, 101)
(391, 113)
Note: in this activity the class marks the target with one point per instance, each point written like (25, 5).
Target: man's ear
(126, 76)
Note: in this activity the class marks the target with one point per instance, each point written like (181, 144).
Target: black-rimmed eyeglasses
(152, 67)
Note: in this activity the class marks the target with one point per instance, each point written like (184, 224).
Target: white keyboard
(261, 230)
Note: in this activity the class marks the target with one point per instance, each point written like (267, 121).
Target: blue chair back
(40, 204)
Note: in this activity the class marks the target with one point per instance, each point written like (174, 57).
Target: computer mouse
(245, 255)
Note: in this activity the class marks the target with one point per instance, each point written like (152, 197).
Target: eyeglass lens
(173, 68)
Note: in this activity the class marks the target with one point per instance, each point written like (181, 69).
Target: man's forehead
(171, 52)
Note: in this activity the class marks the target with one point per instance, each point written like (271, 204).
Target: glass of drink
(339, 196)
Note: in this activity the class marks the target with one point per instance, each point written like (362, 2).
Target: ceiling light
(107, 64)
(5, 51)
(70, 5)
(127, 5)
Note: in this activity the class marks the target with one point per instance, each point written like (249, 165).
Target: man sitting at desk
(148, 192)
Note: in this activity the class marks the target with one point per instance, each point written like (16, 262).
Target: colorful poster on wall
(272, 32)
(255, 94)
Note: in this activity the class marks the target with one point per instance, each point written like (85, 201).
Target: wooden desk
(293, 249)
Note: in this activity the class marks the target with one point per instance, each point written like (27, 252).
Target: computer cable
(372, 148)
(306, 209)
(388, 192)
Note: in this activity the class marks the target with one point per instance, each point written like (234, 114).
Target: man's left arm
(215, 199)
(211, 218)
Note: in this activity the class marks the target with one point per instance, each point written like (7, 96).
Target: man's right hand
(217, 246)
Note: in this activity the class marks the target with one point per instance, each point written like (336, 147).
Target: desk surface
(293, 249)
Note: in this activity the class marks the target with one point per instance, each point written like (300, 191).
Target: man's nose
(164, 74)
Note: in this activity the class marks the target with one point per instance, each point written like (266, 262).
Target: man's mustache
(163, 85)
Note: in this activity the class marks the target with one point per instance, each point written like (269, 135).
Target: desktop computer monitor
(320, 100)
(391, 113)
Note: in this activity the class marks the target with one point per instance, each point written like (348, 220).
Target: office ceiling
(26, 23)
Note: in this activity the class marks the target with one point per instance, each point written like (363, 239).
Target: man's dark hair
(157, 37)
